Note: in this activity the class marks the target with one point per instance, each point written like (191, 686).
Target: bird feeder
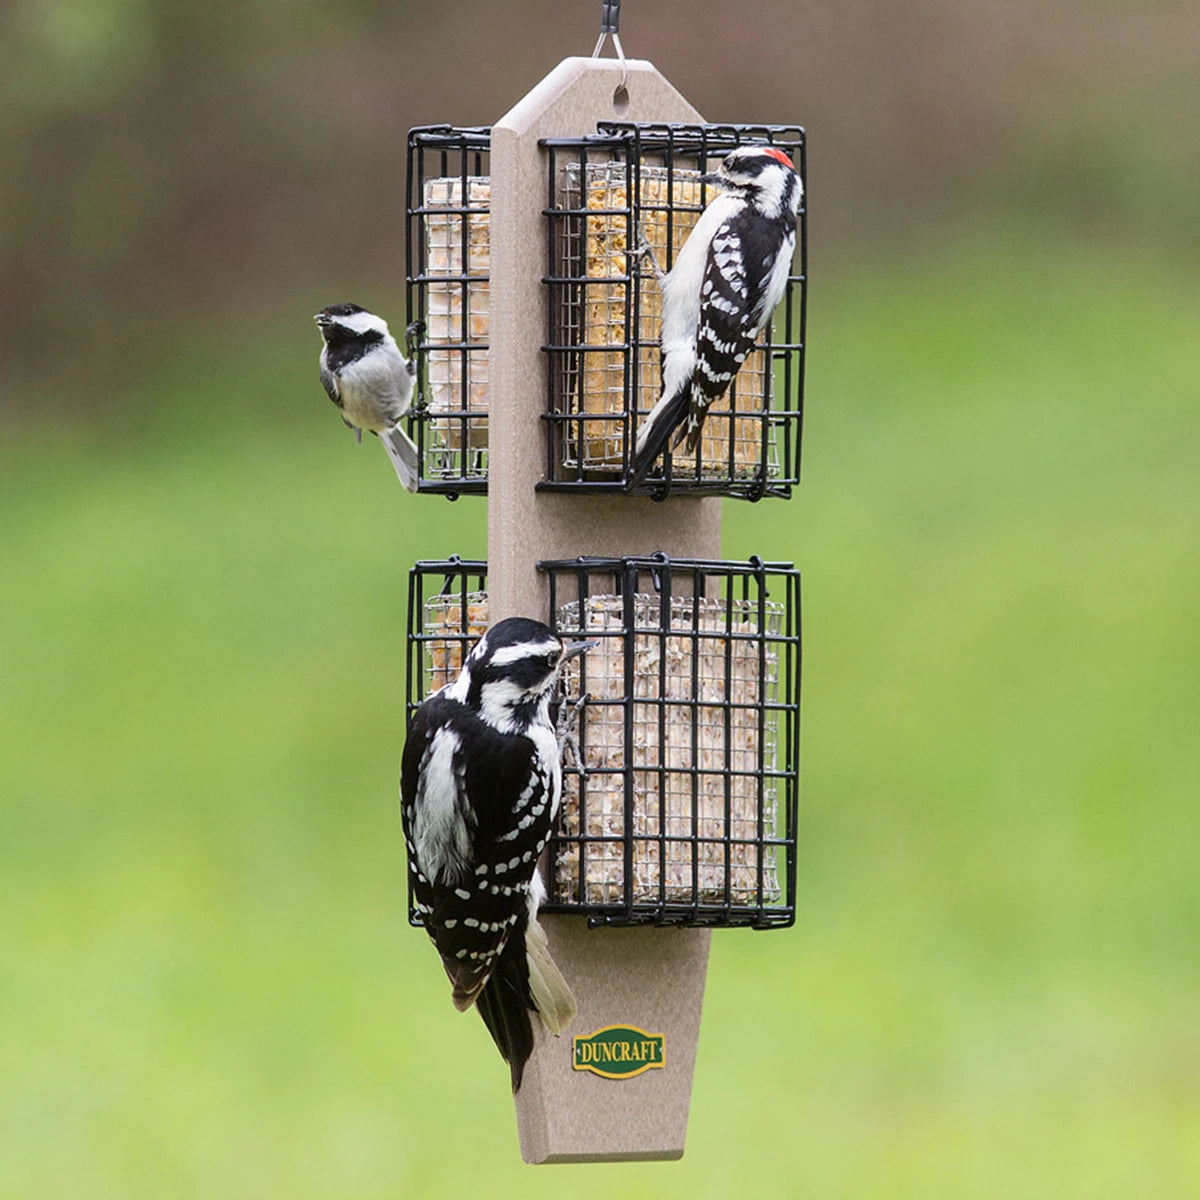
(681, 809)
(541, 346)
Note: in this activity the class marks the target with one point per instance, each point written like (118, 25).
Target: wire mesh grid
(626, 186)
(686, 811)
(449, 259)
(447, 615)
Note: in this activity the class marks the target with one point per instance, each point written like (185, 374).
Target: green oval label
(618, 1051)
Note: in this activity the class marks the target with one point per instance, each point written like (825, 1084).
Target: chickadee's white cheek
(364, 322)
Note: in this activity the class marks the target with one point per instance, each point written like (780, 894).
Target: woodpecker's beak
(714, 180)
(574, 649)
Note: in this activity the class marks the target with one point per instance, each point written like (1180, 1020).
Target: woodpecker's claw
(644, 249)
(568, 718)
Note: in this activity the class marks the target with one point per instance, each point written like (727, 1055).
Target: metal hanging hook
(610, 22)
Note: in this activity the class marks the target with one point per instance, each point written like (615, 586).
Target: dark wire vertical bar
(629, 623)
(554, 320)
(664, 614)
(464, 300)
(583, 725)
(695, 645)
(799, 589)
(631, 357)
(464, 620)
(803, 338)
(788, 465)
(413, 645)
(584, 845)
(761, 741)
(553, 846)
(408, 230)
(417, 227)
(727, 718)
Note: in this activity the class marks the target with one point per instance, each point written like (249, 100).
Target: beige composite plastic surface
(652, 979)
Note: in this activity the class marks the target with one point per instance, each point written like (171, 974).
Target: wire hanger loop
(610, 22)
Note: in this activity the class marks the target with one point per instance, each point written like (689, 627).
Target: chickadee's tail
(403, 452)
(665, 417)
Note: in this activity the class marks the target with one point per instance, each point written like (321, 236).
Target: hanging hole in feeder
(621, 100)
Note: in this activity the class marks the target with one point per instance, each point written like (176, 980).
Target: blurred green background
(207, 986)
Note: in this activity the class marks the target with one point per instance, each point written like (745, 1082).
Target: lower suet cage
(686, 810)
(609, 194)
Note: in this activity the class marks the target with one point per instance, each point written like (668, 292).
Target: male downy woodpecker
(368, 378)
(719, 294)
(480, 786)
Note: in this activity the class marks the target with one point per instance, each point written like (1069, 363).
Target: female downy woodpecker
(368, 378)
(721, 291)
(480, 785)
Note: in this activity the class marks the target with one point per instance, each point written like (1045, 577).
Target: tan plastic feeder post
(650, 979)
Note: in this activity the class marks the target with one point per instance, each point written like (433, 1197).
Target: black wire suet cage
(447, 615)
(449, 259)
(685, 810)
(608, 193)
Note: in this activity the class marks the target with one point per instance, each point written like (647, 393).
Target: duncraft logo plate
(618, 1051)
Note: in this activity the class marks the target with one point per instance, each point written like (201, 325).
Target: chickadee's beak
(322, 320)
(575, 649)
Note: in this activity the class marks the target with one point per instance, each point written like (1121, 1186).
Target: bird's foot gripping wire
(412, 338)
(565, 726)
(644, 249)
(414, 335)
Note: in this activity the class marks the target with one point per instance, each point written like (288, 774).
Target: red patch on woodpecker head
(779, 156)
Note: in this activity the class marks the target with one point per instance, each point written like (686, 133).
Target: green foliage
(207, 986)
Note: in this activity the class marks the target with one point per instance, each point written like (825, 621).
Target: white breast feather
(546, 741)
(681, 296)
(440, 835)
(776, 286)
(376, 389)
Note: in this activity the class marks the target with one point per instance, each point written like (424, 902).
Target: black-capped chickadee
(368, 378)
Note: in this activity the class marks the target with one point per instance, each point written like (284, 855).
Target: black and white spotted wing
(474, 824)
(744, 260)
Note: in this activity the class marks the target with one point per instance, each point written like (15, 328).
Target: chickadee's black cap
(341, 310)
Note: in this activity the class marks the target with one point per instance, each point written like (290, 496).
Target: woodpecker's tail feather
(465, 991)
(402, 451)
(665, 417)
(505, 1004)
(525, 979)
(552, 996)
